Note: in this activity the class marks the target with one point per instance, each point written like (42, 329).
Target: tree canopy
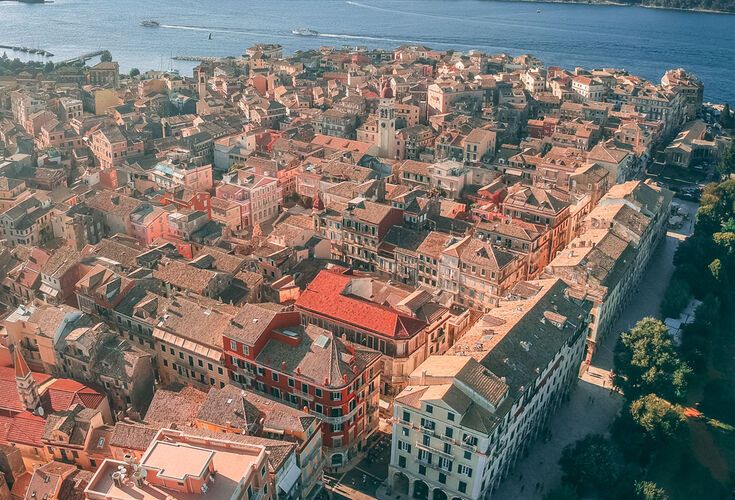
(589, 464)
(660, 419)
(647, 362)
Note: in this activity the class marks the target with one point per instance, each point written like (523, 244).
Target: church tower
(386, 121)
(25, 383)
(201, 82)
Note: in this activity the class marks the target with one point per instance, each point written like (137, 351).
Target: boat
(305, 32)
(150, 24)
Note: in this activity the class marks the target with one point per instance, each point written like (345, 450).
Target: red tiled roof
(5, 424)
(10, 400)
(27, 429)
(63, 393)
(324, 296)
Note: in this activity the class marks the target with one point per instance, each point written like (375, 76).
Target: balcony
(437, 451)
(336, 420)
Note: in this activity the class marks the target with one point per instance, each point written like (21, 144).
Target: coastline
(622, 4)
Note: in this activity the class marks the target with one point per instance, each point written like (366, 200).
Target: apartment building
(476, 273)
(405, 325)
(608, 259)
(467, 417)
(364, 226)
(112, 146)
(188, 343)
(307, 366)
(179, 464)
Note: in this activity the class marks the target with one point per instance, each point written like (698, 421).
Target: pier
(195, 58)
(85, 57)
(27, 50)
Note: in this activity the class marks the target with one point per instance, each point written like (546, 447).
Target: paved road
(592, 407)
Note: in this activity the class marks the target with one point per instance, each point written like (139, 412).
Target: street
(592, 406)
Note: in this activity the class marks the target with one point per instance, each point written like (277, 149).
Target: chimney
(344, 377)
(283, 365)
(423, 378)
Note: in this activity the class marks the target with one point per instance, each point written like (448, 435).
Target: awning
(47, 290)
(384, 404)
(288, 481)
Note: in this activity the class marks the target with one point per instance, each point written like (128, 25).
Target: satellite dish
(40, 411)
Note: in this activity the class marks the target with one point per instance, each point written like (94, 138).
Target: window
(429, 408)
(463, 469)
(462, 487)
(405, 431)
(447, 448)
(425, 456)
(445, 463)
(427, 424)
(449, 432)
(422, 470)
(403, 446)
(402, 462)
(233, 345)
(469, 440)
(274, 376)
(318, 393)
(442, 478)
(304, 388)
(163, 348)
(291, 383)
(426, 440)
(467, 455)
(336, 396)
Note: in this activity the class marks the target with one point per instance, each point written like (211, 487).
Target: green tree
(648, 490)
(726, 165)
(134, 72)
(589, 464)
(647, 362)
(659, 419)
(106, 57)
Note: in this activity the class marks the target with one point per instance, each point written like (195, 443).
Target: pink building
(148, 223)
(179, 465)
(170, 174)
(259, 196)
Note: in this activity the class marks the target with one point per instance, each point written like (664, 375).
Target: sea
(643, 41)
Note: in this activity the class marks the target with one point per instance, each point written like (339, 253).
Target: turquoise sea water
(643, 41)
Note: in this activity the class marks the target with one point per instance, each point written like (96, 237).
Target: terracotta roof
(27, 429)
(319, 356)
(171, 406)
(132, 436)
(325, 296)
(64, 392)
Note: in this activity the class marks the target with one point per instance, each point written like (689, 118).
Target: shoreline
(612, 3)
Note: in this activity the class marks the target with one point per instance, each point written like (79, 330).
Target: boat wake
(210, 29)
(365, 37)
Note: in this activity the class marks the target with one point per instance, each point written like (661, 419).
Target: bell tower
(386, 121)
(25, 383)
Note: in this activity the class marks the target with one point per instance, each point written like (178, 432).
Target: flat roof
(177, 460)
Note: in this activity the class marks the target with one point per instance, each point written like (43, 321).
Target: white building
(465, 418)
